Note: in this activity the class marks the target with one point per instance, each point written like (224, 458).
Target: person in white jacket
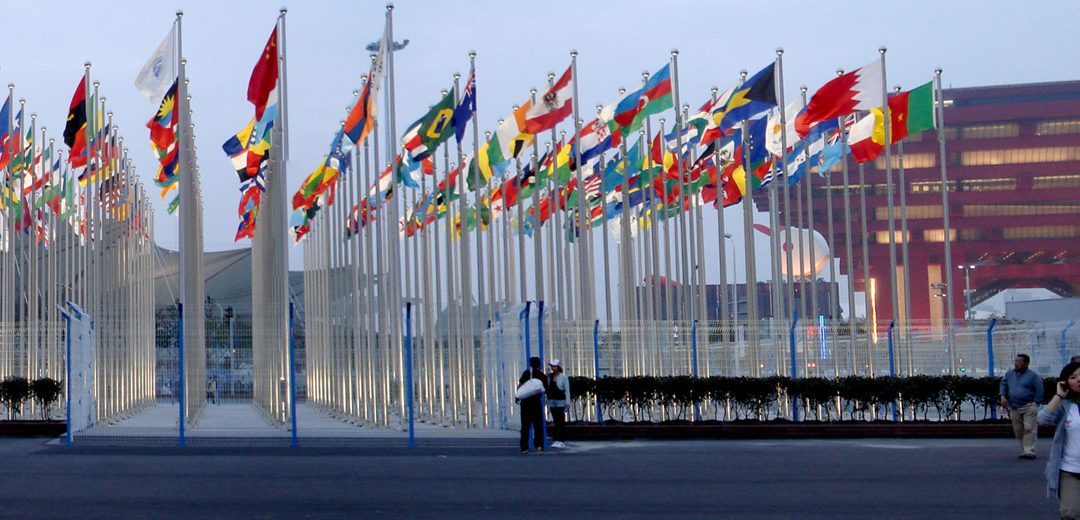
(1063, 466)
(558, 397)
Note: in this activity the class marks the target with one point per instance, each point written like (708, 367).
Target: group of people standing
(557, 391)
(1021, 391)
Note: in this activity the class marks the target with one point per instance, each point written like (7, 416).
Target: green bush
(647, 398)
(13, 393)
(46, 391)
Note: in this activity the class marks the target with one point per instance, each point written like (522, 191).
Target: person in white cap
(558, 395)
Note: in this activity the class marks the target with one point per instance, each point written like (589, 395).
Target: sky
(517, 44)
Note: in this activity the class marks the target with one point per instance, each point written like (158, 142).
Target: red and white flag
(554, 106)
(855, 91)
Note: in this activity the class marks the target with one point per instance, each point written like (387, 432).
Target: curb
(594, 432)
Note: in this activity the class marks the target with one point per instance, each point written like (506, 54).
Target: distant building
(1013, 162)
(734, 300)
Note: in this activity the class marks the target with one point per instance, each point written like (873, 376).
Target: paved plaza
(918, 479)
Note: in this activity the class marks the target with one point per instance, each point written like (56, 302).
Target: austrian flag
(855, 91)
(555, 105)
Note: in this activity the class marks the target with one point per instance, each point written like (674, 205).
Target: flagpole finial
(487, 135)
(622, 90)
(714, 90)
(11, 86)
(283, 10)
(551, 77)
(87, 65)
(839, 72)
(457, 76)
(674, 52)
(33, 117)
(937, 71)
(356, 92)
(573, 53)
(389, 7)
(472, 55)
(532, 91)
(779, 51)
(662, 120)
(882, 49)
(96, 85)
(896, 88)
(179, 13)
(803, 89)
(742, 74)
(22, 101)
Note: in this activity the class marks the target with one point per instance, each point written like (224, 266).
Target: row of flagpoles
(443, 250)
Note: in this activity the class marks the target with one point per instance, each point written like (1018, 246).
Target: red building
(1013, 167)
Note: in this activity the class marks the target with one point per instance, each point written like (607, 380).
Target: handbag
(529, 389)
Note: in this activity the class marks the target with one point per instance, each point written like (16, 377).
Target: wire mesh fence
(359, 387)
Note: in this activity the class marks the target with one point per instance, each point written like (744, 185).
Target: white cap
(555, 363)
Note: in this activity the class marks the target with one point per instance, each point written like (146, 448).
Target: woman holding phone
(1063, 466)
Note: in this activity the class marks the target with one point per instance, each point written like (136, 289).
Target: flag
(6, 142)
(74, 129)
(365, 111)
(163, 140)
(263, 83)
(427, 133)
(855, 91)
(776, 132)
(160, 70)
(753, 97)
(554, 105)
(652, 97)
(868, 136)
(911, 112)
(466, 108)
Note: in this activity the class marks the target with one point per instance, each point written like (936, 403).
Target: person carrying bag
(530, 394)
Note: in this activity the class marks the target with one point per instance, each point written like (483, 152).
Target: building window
(936, 235)
(1028, 232)
(930, 186)
(1020, 156)
(1000, 184)
(988, 131)
(1063, 126)
(913, 212)
(951, 132)
(1019, 210)
(1049, 182)
(971, 235)
(911, 160)
(882, 237)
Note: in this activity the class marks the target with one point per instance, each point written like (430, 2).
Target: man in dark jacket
(532, 408)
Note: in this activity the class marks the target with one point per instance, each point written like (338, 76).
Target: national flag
(911, 112)
(74, 129)
(652, 97)
(6, 141)
(264, 77)
(867, 136)
(364, 113)
(776, 132)
(553, 106)
(717, 109)
(855, 91)
(466, 108)
(756, 95)
(163, 140)
(427, 133)
(160, 70)
(596, 138)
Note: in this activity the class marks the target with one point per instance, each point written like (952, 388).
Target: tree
(46, 391)
(13, 392)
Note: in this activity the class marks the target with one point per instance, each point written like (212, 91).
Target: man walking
(1021, 392)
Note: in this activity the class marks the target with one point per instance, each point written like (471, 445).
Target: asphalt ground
(806, 479)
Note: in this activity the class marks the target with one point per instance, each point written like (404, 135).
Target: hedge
(651, 399)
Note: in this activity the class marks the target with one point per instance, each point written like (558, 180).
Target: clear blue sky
(518, 43)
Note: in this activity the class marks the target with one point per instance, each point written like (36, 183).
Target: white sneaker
(558, 444)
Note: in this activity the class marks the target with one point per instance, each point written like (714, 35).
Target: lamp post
(968, 313)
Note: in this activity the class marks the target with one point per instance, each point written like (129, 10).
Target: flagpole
(906, 330)
(868, 299)
(785, 251)
(815, 308)
(889, 193)
(947, 239)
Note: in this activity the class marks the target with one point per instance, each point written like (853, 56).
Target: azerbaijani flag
(652, 97)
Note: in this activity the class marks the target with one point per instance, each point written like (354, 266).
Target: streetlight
(968, 311)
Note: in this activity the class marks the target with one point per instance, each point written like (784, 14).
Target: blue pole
(1064, 356)
(990, 358)
(292, 377)
(67, 318)
(694, 366)
(794, 367)
(180, 386)
(892, 368)
(596, 364)
(540, 329)
(408, 373)
(528, 350)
